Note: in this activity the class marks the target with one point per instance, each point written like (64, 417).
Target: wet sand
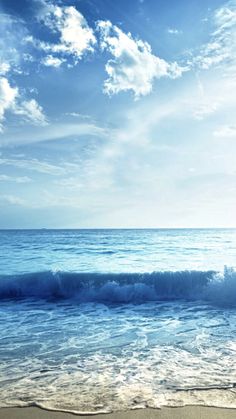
(187, 412)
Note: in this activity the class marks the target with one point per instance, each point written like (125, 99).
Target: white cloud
(12, 57)
(12, 30)
(10, 100)
(8, 96)
(222, 47)
(78, 115)
(4, 68)
(225, 17)
(50, 61)
(226, 131)
(173, 31)
(76, 37)
(133, 67)
(31, 111)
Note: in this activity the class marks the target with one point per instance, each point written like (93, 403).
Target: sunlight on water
(116, 250)
(114, 357)
(91, 339)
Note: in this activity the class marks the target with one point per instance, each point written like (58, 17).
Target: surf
(209, 286)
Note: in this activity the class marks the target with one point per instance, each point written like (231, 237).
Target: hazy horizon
(119, 228)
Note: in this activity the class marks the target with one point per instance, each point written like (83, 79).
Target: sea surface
(105, 320)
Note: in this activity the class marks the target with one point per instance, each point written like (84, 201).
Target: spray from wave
(124, 288)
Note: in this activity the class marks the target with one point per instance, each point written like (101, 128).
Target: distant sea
(106, 320)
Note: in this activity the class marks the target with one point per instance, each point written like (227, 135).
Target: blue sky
(117, 114)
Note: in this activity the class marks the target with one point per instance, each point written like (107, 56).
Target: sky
(117, 114)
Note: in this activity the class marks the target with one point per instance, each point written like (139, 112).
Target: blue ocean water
(105, 320)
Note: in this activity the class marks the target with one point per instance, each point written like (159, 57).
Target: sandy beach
(187, 412)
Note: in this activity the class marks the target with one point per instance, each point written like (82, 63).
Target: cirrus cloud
(221, 49)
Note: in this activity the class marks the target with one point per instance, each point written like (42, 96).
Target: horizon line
(114, 228)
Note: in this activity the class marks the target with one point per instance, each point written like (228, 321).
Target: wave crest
(123, 288)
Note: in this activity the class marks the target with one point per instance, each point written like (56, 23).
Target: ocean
(107, 320)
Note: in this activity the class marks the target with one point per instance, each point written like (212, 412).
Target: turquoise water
(116, 250)
(102, 320)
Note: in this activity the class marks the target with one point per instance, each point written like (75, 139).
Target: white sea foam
(96, 321)
(94, 357)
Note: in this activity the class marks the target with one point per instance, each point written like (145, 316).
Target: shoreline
(185, 412)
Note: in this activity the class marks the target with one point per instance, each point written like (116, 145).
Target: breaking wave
(218, 288)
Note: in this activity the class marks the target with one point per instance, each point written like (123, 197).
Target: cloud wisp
(226, 131)
(221, 49)
(34, 165)
(15, 179)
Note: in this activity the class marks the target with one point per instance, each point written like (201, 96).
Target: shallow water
(80, 330)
